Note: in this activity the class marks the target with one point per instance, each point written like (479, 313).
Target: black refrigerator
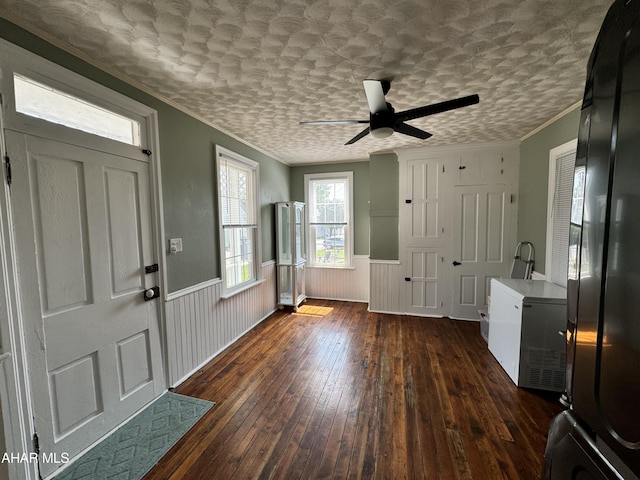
(598, 435)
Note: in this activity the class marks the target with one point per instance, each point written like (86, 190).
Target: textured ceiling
(255, 68)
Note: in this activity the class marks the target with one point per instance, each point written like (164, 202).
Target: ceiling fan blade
(401, 127)
(375, 95)
(363, 133)
(437, 108)
(333, 122)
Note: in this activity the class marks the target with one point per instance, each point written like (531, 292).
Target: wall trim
(70, 49)
(418, 153)
(373, 310)
(385, 262)
(192, 289)
(317, 297)
(202, 285)
(566, 111)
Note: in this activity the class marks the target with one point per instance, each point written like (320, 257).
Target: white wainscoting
(350, 284)
(5, 373)
(387, 283)
(13, 440)
(200, 324)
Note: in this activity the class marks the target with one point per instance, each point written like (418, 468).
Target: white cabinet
(291, 253)
(527, 321)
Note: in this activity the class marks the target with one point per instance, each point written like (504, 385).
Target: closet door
(427, 237)
(481, 238)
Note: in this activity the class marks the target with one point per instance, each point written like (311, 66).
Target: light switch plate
(175, 245)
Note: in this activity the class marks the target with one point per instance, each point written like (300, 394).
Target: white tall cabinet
(457, 225)
(291, 253)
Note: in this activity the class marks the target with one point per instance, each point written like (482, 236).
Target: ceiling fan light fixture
(382, 132)
(383, 119)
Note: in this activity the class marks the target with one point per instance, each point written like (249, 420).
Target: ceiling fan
(383, 119)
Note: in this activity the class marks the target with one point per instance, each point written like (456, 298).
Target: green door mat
(136, 446)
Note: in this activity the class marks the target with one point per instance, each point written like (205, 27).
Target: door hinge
(462, 167)
(511, 198)
(407, 279)
(36, 450)
(7, 163)
(407, 201)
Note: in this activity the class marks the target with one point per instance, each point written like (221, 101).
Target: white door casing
(83, 228)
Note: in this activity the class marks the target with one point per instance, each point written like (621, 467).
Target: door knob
(151, 293)
(455, 263)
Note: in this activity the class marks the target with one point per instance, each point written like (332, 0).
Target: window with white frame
(38, 100)
(329, 198)
(562, 161)
(238, 206)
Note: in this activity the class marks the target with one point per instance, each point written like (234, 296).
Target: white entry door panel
(83, 230)
(481, 234)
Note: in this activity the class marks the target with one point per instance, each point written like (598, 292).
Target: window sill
(334, 267)
(243, 288)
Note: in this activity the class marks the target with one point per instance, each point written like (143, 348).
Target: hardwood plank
(335, 391)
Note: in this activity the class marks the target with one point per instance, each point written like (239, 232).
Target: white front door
(481, 233)
(84, 236)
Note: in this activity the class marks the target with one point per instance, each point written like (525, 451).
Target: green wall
(360, 196)
(384, 184)
(187, 164)
(534, 178)
(189, 194)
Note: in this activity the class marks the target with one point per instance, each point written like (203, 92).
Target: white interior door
(83, 230)
(427, 237)
(481, 233)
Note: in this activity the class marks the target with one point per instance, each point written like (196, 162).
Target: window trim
(349, 251)
(554, 154)
(16, 60)
(59, 104)
(222, 152)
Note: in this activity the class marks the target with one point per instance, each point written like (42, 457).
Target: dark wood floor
(337, 392)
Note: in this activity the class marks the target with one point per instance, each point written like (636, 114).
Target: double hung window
(329, 200)
(238, 205)
(561, 178)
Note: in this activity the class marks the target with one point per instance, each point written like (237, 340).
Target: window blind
(561, 217)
